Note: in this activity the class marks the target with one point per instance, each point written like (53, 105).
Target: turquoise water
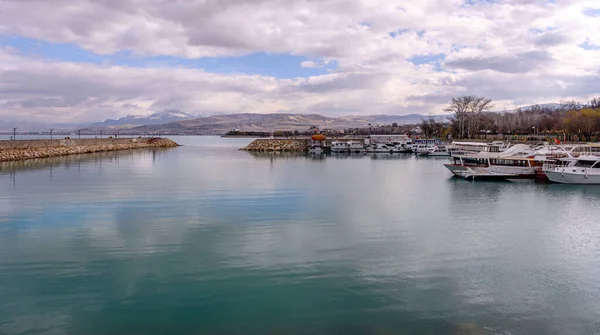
(206, 239)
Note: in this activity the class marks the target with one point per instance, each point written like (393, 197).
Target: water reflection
(213, 240)
(292, 155)
(75, 161)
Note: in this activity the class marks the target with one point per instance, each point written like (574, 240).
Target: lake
(207, 239)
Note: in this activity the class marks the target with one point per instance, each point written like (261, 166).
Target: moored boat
(510, 167)
(424, 144)
(470, 148)
(389, 144)
(437, 151)
(347, 147)
(584, 170)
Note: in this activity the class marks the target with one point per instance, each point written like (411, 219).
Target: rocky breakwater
(27, 149)
(275, 145)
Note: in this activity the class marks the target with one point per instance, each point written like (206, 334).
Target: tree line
(472, 118)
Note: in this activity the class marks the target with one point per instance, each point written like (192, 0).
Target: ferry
(584, 170)
(480, 159)
(497, 168)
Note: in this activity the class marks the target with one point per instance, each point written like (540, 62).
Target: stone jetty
(278, 145)
(27, 149)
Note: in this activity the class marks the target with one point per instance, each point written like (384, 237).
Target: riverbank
(28, 149)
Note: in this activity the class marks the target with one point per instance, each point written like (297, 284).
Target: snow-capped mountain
(166, 116)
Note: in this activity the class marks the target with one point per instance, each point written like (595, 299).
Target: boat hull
(456, 169)
(434, 154)
(495, 172)
(572, 178)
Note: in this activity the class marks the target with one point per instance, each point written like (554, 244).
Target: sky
(88, 60)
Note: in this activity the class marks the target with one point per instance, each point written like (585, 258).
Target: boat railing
(552, 167)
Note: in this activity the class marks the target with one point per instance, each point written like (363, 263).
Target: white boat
(339, 147)
(425, 144)
(584, 170)
(316, 150)
(469, 148)
(389, 144)
(485, 173)
(437, 151)
(356, 147)
(347, 147)
(585, 150)
(481, 158)
(516, 162)
(391, 148)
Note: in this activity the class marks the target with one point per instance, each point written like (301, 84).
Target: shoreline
(17, 150)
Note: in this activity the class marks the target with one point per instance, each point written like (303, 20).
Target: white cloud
(310, 64)
(516, 51)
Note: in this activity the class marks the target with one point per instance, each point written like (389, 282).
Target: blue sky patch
(259, 63)
(591, 12)
(393, 34)
(428, 59)
(588, 46)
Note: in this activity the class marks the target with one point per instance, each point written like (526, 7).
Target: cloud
(310, 64)
(519, 63)
(514, 50)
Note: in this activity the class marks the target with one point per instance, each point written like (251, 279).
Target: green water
(206, 239)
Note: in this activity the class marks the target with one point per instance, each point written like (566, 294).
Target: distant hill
(269, 122)
(166, 116)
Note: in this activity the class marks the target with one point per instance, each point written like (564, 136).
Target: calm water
(206, 239)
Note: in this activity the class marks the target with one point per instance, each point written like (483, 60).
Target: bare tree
(460, 107)
(477, 106)
(570, 105)
(467, 111)
(431, 128)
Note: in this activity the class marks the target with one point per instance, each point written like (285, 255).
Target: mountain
(166, 116)
(221, 124)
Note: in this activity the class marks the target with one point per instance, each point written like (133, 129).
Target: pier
(14, 150)
(293, 145)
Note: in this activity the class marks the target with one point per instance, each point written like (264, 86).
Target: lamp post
(51, 130)
(14, 133)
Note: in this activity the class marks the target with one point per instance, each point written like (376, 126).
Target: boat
(437, 151)
(424, 144)
(316, 144)
(583, 170)
(508, 167)
(586, 150)
(356, 147)
(468, 148)
(347, 147)
(480, 159)
(389, 144)
(392, 148)
(316, 150)
(485, 173)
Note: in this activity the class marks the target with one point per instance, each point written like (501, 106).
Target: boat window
(585, 164)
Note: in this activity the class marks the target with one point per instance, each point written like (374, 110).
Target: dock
(292, 145)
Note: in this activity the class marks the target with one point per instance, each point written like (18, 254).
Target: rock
(26, 149)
